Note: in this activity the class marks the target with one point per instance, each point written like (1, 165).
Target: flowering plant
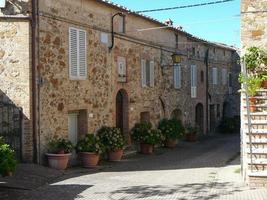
(60, 145)
(8, 162)
(171, 128)
(111, 137)
(143, 133)
(90, 143)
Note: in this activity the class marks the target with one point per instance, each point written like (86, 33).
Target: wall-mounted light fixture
(176, 58)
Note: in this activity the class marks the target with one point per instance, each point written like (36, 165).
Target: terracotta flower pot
(191, 137)
(115, 155)
(7, 174)
(264, 84)
(253, 101)
(89, 159)
(146, 148)
(58, 161)
(171, 143)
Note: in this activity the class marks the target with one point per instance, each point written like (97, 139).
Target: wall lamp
(112, 28)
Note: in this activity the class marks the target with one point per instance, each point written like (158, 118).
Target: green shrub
(171, 128)
(143, 133)
(111, 137)
(8, 162)
(59, 145)
(253, 83)
(91, 144)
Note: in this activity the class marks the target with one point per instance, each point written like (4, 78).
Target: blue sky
(219, 23)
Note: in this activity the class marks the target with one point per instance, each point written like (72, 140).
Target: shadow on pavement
(192, 191)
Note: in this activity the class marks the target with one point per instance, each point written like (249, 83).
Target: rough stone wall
(97, 94)
(15, 67)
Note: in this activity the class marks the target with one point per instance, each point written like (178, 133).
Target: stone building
(254, 33)
(74, 66)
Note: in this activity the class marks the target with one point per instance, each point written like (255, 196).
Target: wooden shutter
(214, 76)
(193, 81)
(82, 55)
(177, 76)
(73, 52)
(143, 72)
(224, 76)
(152, 74)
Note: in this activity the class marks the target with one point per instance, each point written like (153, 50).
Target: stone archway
(122, 114)
(200, 117)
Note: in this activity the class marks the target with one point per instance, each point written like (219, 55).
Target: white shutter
(143, 72)
(73, 52)
(193, 81)
(82, 55)
(214, 76)
(77, 54)
(224, 76)
(177, 76)
(152, 74)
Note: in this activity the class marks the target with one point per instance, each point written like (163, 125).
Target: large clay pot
(58, 161)
(146, 148)
(89, 159)
(115, 155)
(253, 107)
(264, 84)
(191, 137)
(7, 174)
(171, 143)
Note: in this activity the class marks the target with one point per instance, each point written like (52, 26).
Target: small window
(224, 76)
(121, 27)
(177, 82)
(145, 117)
(2, 3)
(77, 54)
(148, 73)
(122, 68)
(202, 76)
(193, 51)
(193, 81)
(214, 76)
(224, 53)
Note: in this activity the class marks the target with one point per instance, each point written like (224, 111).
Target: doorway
(212, 119)
(122, 114)
(200, 117)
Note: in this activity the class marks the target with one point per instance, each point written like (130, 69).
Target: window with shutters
(148, 73)
(122, 68)
(193, 81)
(214, 76)
(230, 84)
(77, 54)
(224, 76)
(177, 82)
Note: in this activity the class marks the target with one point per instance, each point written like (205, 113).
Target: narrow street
(204, 170)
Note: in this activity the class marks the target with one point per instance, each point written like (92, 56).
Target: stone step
(257, 131)
(260, 161)
(257, 114)
(260, 105)
(258, 141)
(257, 97)
(257, 150)
(258, 174)
(258, 122)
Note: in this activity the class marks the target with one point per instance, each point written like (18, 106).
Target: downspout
(34, 15)
(207, 89)
(112, 28)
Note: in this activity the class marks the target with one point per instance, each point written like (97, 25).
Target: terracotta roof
(125, 9)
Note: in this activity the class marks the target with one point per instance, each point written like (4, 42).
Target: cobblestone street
(205, 170)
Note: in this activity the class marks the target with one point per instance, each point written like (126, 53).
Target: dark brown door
(200, 117)
(122, 119)
(212, 119)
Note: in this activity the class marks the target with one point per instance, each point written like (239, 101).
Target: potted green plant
(191, 133)
(253, 83)
(113, 141)
(146, 137)
(89, 149)
(173, 130)
(59, 152)
(8, 162)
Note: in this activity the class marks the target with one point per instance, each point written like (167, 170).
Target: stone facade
(93, 100)
(15, 65)
(253, 33)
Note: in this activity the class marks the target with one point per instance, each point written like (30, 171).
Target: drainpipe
(34, 19)
(112, 29)
(206, 61)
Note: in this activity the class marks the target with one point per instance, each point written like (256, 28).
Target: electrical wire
(185, 6)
